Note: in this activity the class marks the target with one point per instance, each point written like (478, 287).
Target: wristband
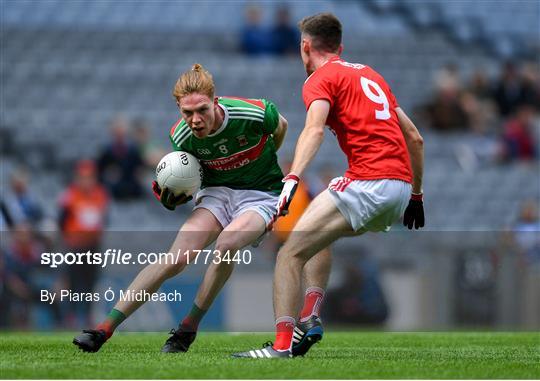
(417, 196)
(291, 176)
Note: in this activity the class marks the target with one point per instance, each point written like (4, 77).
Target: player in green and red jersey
(235, 140)
(241, 154)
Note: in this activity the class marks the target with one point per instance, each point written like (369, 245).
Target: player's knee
(291, 253)
(174, 267)
(227, 245)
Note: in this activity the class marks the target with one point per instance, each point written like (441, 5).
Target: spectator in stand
(285, 37)
(19, 202)
(478, 102)
(525, 232)
(472, 107)
(508, 92)
(530, 77)
(82, 220)
(150, 152)
(518, 142)
(359, 299)
(120, 163)
(447, 112)
(448, 78)
(255, 39)
(20, 265)
(479, 85)
(483, 147)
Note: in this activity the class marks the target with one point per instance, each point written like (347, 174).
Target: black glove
(167, 198)
(414, 214)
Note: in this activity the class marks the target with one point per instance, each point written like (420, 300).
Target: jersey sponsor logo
(237, 160)
(242, 140)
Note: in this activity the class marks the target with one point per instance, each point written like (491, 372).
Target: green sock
(193, 318)
(113, 320)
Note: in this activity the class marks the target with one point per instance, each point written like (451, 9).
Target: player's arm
(280, 131)
(414, 213)
(311, 137)
(308, 144)
(415, 146)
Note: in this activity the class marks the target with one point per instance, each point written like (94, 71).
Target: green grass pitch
(338, 356)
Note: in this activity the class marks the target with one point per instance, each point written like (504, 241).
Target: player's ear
(178, 103)
(215, 101)
(306, 46)
(340, 49)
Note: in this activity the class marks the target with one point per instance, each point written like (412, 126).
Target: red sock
(312, 303)
(192, 319)
(107, 327)
(284, 333)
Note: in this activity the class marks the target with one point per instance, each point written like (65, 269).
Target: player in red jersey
(384, 180)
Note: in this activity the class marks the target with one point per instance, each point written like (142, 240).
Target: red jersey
(363, 117)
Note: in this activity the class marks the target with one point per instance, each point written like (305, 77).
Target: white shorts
(370, 205)
(226, 204)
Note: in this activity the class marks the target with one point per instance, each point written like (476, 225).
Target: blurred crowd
(502, 113)
(118, 173)
(279, 38)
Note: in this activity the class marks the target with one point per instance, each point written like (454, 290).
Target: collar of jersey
(225, 121)
(331, 59)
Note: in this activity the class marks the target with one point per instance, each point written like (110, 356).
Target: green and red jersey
(241, 154)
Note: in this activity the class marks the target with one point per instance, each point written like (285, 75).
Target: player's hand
(167, 198)
(285, 198)
(414, 214)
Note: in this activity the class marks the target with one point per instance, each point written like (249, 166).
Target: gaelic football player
(235, 141)
(384, 180)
